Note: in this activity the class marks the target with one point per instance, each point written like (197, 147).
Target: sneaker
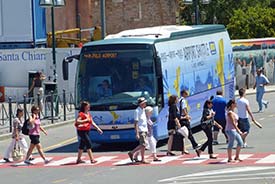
(215, 142)
(265, 104)
(245, 145)
(46, 161)
(260, 111)
(27, 162)
(7, 160)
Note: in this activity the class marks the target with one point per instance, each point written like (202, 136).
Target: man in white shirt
(243, 111)
(141, 130)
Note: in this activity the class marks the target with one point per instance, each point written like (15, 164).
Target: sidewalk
(251, 91)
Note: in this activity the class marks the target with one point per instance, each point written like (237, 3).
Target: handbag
(207, 123)
(17, 152)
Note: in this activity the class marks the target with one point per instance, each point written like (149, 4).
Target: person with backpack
(34, 134)
(185, 119)
(17, 136)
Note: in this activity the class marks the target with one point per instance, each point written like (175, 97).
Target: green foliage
(243, 18)
(255, 22)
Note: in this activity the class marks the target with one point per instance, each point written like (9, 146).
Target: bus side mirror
(158, 67)
(65, 65)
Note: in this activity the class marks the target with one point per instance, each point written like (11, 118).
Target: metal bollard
(25, 107)
(64, 104)
(52, 107)
(10, 113)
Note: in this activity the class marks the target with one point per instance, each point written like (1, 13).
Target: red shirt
(84, 126)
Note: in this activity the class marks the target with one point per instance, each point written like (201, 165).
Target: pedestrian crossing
(123, 160)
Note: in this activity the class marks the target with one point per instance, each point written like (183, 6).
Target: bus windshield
(112, 77)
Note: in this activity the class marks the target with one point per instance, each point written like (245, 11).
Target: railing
(54, 107)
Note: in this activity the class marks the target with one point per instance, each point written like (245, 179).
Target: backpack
(25, 128)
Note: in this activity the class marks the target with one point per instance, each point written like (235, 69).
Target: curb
(254, 92)
(47, 126)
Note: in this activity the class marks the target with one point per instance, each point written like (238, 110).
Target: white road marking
(226, 180)
(123, 162)
(62, 161)
(166, 159)
(103, 159)
(196, 160)
(242, 157)
(267, 160)
(40, 160)
(217, 172)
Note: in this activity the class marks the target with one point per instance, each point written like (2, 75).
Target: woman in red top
(83, 125)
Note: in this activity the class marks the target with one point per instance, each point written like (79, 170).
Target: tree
(255, 22)
(243, 18)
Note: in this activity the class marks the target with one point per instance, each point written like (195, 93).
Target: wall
(120, 14)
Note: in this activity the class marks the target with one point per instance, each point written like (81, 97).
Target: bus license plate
(115, 137)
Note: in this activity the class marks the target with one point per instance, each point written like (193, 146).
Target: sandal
(93, 161)
(229, 160)
(212, 157)
(145, 162)
(136, 160)
(185, 153)
(131, 156)
(238, 160)
(198, 152)
(157, 160)
(80, 162)
(170, 153)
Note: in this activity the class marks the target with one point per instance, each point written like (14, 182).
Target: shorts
(142, 138)
(221, 122)
(172, 132)
(244, 125)
(34, 139)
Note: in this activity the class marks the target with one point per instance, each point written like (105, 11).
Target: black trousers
(191, 137)
(208, 133)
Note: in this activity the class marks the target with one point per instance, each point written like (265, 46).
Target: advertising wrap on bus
(154, 63)
(201, 65)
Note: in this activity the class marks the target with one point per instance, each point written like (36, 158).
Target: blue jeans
(259, 97)
(232, 135)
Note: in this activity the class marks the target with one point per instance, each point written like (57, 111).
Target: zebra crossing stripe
(104, 159)
(2, 162)
(62, 161)
(196, 160)
(166, 159)
(242, 157)
(123, 162)
(40, 160)
(267, 160)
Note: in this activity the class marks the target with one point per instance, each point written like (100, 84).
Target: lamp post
(197, 8)
(53, 4)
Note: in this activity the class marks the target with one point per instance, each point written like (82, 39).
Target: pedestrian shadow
(111, 147)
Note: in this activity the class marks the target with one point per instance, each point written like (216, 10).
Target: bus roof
(151, 35)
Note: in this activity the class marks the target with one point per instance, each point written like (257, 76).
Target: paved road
(115, 167)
